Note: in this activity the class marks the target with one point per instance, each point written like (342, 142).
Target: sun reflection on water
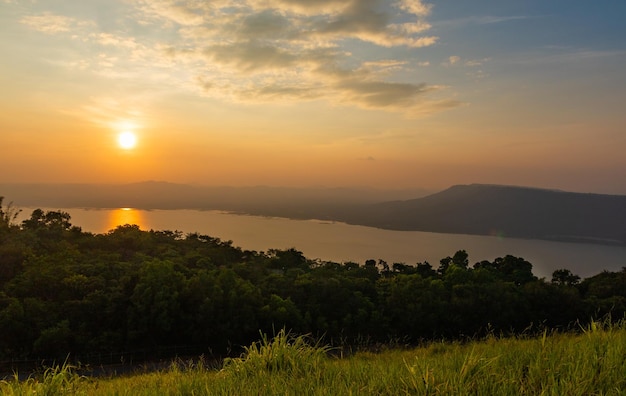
(123, 216)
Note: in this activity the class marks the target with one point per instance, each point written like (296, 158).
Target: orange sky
(332, 93)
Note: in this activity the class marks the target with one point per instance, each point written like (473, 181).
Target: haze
(385, 94)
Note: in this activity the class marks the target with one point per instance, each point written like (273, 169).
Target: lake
(339, 242)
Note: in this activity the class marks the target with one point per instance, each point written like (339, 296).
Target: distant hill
(290, 202)
(504, 210)
(478, 209)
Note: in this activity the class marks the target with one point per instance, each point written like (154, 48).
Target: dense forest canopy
(64, 291)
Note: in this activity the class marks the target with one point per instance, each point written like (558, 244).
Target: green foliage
(155, 303)
(132, 293)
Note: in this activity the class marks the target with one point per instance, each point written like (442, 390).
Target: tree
(425, 270)
(288, 259)
(564, 277)
(155, 303)
(370, 263)
(402, 268)
(460, 259)
(7, 216)
(280, 313)
(444, 263)
(510, 269)
(12, 248)
(385, 267)
(49, 228)
(51, 220)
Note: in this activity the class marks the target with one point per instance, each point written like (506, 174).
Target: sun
(127, 140)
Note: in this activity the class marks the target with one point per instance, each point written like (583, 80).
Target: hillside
(556, 364)
(506, 211)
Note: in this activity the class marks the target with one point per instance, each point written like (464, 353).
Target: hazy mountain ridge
(261, 200)
(505, 210)
(478, 209)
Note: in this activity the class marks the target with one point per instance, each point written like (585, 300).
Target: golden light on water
(123, 216)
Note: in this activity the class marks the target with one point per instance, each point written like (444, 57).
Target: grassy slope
(592, 363)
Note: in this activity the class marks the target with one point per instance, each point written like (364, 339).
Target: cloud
(114, 113)
(455, 60)
(481, 20)
(187, 13)
(476, 62)
(379, 94)
(265, 24)
(452, 60)
(384, 67)
(303, 7)
(415, 7)
(489, 19)
(114, 40)
(251, 56)
(360, 17)
(50, 23)
(369, 21)
(260, 50)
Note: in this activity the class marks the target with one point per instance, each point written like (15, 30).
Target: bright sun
(127, 140)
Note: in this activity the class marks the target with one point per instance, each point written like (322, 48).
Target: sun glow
(125, 216)
(127, 140)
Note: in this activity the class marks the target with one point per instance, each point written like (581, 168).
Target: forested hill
(504, 210)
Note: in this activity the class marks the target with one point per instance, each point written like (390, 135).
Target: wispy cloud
(50, 23)
(112, 112)
(452, 60)
(476, 62)
(489, 19)
(259, 50)
(480, 20)
(457, 61)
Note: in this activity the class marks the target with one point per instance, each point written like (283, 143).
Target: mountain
(260, 200)
(506, 211)
(478, 209)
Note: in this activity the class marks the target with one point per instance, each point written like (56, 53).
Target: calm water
(341, 242)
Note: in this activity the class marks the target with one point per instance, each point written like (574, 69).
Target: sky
(390, 94)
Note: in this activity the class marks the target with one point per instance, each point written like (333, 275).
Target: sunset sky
(379, 93)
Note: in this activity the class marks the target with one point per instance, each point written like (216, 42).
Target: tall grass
(284, 355)
(58, 380)
(590, 363)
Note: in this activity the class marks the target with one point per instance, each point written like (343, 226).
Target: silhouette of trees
(564, 277)
(7, 216)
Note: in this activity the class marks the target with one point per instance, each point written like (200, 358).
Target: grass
(590, 363)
